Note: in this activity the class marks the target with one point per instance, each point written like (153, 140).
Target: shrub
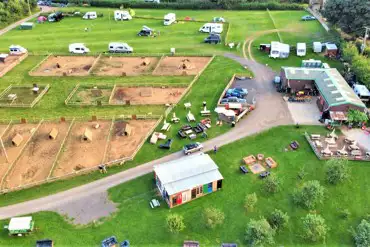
(311, 194)
(278, 219)
(337, 171)
(314, 228)
(272, 184)
(362, 234)
(213, 217)
(250, 201)
(344, 213)
(175, 223)
(259, 232)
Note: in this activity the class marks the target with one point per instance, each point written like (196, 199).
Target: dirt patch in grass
(91, 95)
(181, 65)
(37, 159)
(147, 95)
(125, 66)
(80, 154)
(65, 66)
(24, 95)
(9, 60)
(121, 145)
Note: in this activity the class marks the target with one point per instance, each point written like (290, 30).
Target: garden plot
(90, 95)
(21, 96)
(14, 141)
(181, 65)
(146, 95)
(65, 66)
(84, 147)
(36, 161)
(124, 143)
(124, 66)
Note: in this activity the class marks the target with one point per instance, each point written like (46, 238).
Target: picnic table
(249, 159)
(270, 162)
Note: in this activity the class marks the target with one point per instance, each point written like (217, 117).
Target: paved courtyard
(305, 113)
(362, 137)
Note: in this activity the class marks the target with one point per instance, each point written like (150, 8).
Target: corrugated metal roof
(329, 82)
(187, 173)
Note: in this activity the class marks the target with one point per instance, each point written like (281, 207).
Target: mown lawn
(146, 227)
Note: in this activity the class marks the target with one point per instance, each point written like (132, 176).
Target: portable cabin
(26, 25)
(317, 47)
(362, 92)
(331, 50)
(279, 50)
(20, 225)
(185, 179)
(87, 135)
(301, 49)
(17, 140)
(53, 134)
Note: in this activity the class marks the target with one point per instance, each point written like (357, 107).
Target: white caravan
(211, 28)
(78, 48)
(90, 16)
(301, 49)
(17, 50)
(279, 50)
(169, 19)
(362, 92)
(120, 47)
(120, 15)
(317, 47)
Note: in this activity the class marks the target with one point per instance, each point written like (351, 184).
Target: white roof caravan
(211, 28)
(120, 15)
(169, 19)
(279, 50)
(90, 16)
(301, 49)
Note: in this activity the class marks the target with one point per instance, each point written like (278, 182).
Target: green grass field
(144, 226)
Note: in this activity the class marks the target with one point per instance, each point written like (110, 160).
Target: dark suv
(213, 39)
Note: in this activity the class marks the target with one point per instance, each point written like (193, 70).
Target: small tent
(17, 140)
(53, 134)
(41, 19)
(87, 136)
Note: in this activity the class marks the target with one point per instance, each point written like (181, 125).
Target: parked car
(308, 18)
(264, 174)
(233, 100)
(236, 92)
(167, 144)
(118, 47)
(213, 39)
(145, 31)
(192, 148)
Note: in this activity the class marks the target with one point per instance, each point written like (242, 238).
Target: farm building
(335, 94)
(186, 179)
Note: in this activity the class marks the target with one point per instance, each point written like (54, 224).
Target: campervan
(317, 47)
(120, 47)
(120, 15)
(78, 48)
(17, 50)
(279, 50)
(301, 49)
(211, 28)
(169, 19)
(90, 16)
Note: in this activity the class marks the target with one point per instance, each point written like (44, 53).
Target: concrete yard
(305, 112)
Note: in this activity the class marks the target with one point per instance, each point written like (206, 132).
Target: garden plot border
(13, 64)
(68, 100)
(22, 105)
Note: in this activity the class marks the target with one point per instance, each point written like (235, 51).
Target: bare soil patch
(65, 66)
(181, 65)
(80, 154)
(120, 145)
(147, 95)
(124, 66)
(9, 60)
(37, 159)
(91, 95)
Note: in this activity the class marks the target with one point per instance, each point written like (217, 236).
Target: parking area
(305, 112)
(250, 85)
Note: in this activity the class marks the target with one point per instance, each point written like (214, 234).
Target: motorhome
(17, 50)
(118, 47)
(169, 19)
(211, 28)
(90, 16)
(279, 50)
(78, 48)
(301, 49)
(120, 15)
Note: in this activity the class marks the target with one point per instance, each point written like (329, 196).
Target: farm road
(90, 201)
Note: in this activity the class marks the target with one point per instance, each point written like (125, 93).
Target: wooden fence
(22, 105)
(13, 64)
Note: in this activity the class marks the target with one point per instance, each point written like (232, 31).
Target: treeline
(13, 10)
(360, 63)
(194, 4)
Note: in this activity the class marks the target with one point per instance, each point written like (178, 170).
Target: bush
(259, 232)
(213, 217)
(314, 228)
(278, 219)
(272, 184)
(337, 171)
(175, 223)
(362, 234)
(344, 214)
(250, 201)
(311, 194)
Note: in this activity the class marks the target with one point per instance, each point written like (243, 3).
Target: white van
(211, 28)
(301, 49)
(169, 19)
(17, 50)
(90, 16)
(78, 48)
(120, 47)
(120, 15)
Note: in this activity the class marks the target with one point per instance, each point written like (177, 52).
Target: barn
(335, 95)
(183, 180)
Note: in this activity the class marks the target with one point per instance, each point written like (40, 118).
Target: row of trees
(13, 10)
(360, 64)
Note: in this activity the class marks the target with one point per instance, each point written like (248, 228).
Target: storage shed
(331, 50)
(183, 180)
(17, 140)
(53, 134)
(87, 135)
(20, 225)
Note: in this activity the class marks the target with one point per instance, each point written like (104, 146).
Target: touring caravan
(120, 15)
(169, 19)
(90, 16)
(211, 28)
(317, 47)
(279, 50)
(78, 48)
(362, 92)
(17, 50)
(120, 47)
(301, 49)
